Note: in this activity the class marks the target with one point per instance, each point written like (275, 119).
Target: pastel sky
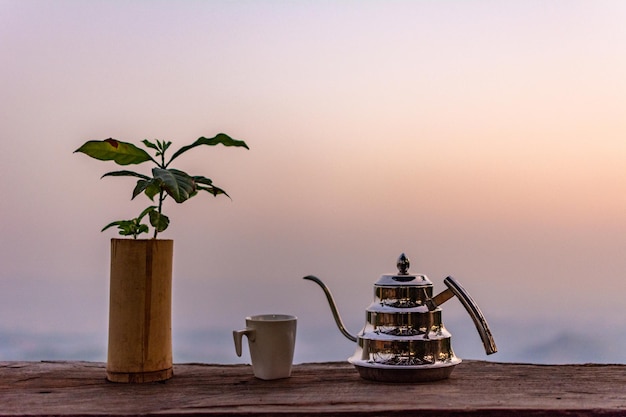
(486, 139)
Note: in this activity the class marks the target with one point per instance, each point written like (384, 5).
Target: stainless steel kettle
(404, 339)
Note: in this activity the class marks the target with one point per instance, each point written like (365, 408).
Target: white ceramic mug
(271, 338)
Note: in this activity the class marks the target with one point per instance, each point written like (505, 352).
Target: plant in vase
(140, 341)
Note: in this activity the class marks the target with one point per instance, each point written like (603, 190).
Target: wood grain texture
(476, 388)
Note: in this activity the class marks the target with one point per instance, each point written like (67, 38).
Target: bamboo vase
(140, 311)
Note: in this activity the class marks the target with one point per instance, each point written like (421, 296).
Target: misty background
(486, 140)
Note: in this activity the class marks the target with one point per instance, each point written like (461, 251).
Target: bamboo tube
(140, 318)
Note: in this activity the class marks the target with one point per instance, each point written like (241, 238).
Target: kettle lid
(403, 278)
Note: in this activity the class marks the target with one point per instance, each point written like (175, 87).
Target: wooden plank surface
(476, 388)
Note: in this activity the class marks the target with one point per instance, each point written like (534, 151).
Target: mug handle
(238, 336)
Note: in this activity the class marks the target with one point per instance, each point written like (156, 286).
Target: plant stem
(161, 145)
(161, 198)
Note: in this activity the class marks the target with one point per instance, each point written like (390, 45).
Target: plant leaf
(153, 188)
(165, 145)
(122, 153)
(127, 228)
(159, 221)
(149, 144)
(139, 188)
(177, 184)
(202, 180)
(220, 138)
(128, 231)
(146, 211)
(206, 184)
(214, 190)
(125, 174)
(116, 223)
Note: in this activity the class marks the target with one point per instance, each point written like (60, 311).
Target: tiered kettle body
(404, 339)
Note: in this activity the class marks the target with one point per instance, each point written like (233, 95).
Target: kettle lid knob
(403, 264)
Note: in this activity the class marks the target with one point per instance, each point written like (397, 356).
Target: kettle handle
(473, 310)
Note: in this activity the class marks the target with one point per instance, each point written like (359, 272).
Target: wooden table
(476, 388)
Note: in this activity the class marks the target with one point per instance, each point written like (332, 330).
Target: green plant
(164, 182)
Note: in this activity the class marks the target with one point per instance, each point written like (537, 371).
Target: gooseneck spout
(333, 307)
